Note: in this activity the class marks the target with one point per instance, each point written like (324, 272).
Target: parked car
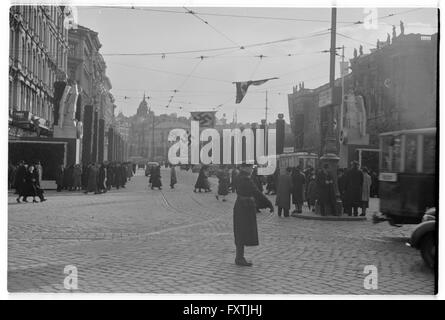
(424, 238)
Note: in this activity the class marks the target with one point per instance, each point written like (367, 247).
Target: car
(424, 238)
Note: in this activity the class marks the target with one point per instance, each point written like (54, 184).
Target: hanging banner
(206, 118)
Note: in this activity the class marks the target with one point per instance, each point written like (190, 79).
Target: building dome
(143, 108)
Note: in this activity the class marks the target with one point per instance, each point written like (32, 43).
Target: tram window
(411, 153)
(429, 153)
(391, 149)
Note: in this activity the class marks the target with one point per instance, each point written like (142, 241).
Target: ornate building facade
(38, 55)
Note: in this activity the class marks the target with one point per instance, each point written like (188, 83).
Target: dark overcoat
(92, 179)
(223, 182)
(298, 182)
(284, 190)
(244, 212)
(325, 188)
(353, 188)
(155, 177)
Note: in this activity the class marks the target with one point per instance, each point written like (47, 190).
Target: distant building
(390, 88)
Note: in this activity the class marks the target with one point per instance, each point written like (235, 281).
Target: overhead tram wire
(202, 51)
(151, 9)
(185, 80)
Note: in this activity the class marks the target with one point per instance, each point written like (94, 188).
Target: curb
(329, 218)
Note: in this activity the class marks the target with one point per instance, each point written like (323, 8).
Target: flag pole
(266, 108)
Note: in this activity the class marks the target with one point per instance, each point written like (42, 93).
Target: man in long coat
(298, 182)
(284, 190)
(245, 227)
(326, 192)
(353, 189)
(92, 179)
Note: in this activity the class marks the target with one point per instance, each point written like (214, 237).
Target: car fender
(421, 230)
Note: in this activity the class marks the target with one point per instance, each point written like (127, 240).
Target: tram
(408, 181)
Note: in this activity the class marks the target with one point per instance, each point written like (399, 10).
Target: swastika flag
(205, 118)
(241, 87)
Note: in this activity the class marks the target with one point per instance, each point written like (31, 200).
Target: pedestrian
(92, 179)
(110, 176)
(223, 176)
(326, 192)
(234, 176)
(173, 179)
(28, 189)
(311, 193)
(341, 182)
(374, 185)
(202, 182)
(39, 170)
(366, 190)
(20, 178)
(298, 183)
(245, 227)
(77, 177)
(155, 177)
(59, 177)
(284, 191)
(258, 181)
(353, 189)
(101, 188)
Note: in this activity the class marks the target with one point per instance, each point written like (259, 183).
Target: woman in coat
(366, 190)
(245, 227)
(257, 180)
(223, 176)
(92, 179)
(30, 185)
(155, 178)
(59, 177)
(202, 182)
(173, 179)
(311, 193)
(77, 177)
(353, 189)
(298, 183)
(284, 190)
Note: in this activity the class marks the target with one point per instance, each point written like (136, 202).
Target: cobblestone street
(176, 241)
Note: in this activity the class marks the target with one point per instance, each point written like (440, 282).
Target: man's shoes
(243, 262)
(362, 215)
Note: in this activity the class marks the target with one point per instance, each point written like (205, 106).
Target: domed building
(148, 136)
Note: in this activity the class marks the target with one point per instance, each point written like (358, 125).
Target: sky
(207, 83)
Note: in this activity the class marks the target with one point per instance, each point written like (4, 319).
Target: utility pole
(330, 150)
(266, 108)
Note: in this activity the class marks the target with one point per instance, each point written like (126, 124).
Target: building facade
(391, 88)
(37, 58)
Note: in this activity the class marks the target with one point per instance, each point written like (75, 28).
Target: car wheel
(428, 250)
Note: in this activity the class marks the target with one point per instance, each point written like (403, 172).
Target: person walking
(284, 191)
(39, 171)
(311, 193)
(20, 179)
(298, 182)
(341, 182)
(234, 175)
(173, 179)
(258, 181)
(366, 190)
(353, 189)
(92, 179)
(202, 182)
(77, 177)
(155, 177)
(102, 174)
(223, 176)
(326, 192)
(245, 227)
(30, 184)
(59, 177)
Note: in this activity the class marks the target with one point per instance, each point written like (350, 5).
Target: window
(391, 153)
(429, 154)
(411, 153)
